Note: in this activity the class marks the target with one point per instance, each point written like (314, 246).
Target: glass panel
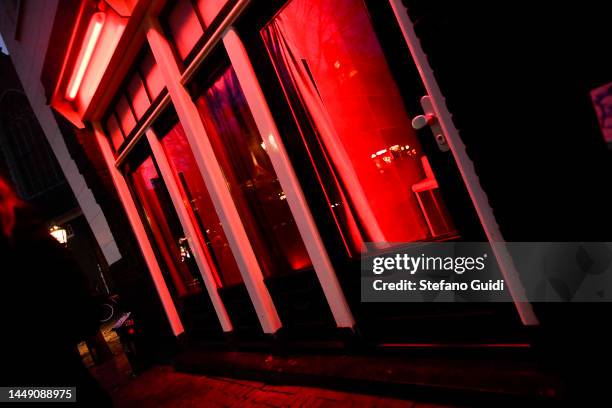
(200, 207)
(253, 183)
(378, 181)
(184, 27)
(164, 227)
(125, 115)
(152, 76)
(138, 96)
(114, 131)
(209, 9)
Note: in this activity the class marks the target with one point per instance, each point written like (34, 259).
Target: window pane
(138, 96)
(124, 113)
(164, 227)
(200, 207)
(152, 76)
(254, 185)
(209, 9)
(184, 27)
(335, 77)
(112, 127)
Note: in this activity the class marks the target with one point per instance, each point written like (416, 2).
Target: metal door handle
(419, 122)
(429, 119)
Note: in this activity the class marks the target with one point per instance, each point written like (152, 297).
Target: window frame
(131, 138)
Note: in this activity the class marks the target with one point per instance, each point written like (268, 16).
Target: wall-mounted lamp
(87, 49)
(59, 234)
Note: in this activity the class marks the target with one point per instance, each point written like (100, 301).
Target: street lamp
(59, 234)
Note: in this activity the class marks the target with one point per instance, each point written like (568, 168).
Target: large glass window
(348, 107)
(197, 200)
(249, 173)
(163, 225)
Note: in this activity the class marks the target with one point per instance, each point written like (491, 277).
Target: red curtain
(335, 74)
(253, 183)
(148, 187)
(200, 207)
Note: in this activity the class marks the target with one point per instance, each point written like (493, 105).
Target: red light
(91, 39)
(131, 331)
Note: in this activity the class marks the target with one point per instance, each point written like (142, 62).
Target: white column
(199, 253)
(288, 180)
(139, 231)
(214, 179)
(466, 168)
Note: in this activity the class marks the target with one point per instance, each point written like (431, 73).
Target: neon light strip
(93, 34)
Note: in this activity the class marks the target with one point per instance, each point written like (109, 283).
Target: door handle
(429, 119)
(419, 122)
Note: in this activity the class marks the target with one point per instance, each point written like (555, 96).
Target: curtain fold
(296, 70)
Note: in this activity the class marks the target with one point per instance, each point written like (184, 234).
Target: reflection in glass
(336, 79)
(199, 205)
(251, 178)
(164, 227)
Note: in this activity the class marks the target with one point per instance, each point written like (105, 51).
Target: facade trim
(139, 231)
(466, 167)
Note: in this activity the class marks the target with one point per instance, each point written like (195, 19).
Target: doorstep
(454, 376)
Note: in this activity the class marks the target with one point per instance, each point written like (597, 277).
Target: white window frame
(288, 180)
(213, 175)
(139, 231)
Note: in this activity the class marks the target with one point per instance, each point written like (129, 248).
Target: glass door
(346, 91)
(166, 234)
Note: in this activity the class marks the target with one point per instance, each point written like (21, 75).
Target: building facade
(242, 153)
(28, 163)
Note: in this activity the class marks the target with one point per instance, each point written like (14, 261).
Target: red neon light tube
(91, 39)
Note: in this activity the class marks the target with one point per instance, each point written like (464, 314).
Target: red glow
(348, 107)
(253, 182)
(153, 197)
(210, 9)
(91, 39)
(200, 206)
(184, 27)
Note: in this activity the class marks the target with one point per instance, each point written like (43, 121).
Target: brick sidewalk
(161, 386)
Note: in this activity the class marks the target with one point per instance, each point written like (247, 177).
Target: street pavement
(161, 386)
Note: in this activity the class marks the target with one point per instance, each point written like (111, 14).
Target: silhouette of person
(45, 307)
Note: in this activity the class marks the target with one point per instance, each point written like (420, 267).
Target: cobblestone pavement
(161, 386)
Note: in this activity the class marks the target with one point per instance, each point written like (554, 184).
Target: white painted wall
(28, 56)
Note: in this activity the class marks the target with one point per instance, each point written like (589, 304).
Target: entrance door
(173, 254)
(346, 75)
